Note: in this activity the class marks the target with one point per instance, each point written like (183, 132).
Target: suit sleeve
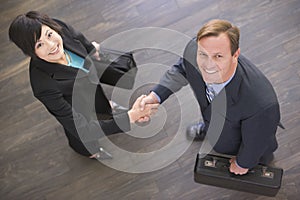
(258, 136)
(87, 131)
(172, 81)
(77, 35)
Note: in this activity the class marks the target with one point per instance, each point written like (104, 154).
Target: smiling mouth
(210, 71)
(54, 51)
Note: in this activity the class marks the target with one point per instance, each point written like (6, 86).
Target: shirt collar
(217, 87)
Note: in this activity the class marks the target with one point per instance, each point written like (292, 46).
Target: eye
(219, 56)
(49, 34)
(201, 54)
(38, 45)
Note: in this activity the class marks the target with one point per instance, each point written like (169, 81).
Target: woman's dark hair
(25, 30)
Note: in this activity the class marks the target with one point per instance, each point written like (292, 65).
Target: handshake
(143, 108)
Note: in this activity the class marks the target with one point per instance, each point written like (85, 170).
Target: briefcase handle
(264, 171)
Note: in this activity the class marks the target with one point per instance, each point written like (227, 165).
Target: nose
(49, 43)
(210, 64)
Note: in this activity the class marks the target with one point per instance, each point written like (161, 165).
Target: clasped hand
(141, 110)
(149, 100)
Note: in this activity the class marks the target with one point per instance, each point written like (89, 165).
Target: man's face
(214, 58)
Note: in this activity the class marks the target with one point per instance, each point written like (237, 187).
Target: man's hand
(149, 99)
(135, 113)
(234, 168)
(97, 47)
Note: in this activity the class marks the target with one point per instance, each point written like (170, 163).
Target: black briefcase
(214, 170)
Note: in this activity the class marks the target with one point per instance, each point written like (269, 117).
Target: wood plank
(36, 161)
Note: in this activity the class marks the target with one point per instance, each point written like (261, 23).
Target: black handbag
(116, 68)
(214, 170)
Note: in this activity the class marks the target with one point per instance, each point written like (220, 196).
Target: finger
(232, 168)
(152, 106)
(98, 57)
(140, 120)
(146, 118)
(155, 105)
(150, 110)
(138, 100)
(96, 45)
(94, 155)
(153, 112)
(142, 103)
(143, 119)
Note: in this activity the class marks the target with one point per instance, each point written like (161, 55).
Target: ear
(237, 53)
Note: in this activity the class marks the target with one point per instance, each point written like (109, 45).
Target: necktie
(210, 93)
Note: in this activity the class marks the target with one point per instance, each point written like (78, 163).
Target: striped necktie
(210, 93)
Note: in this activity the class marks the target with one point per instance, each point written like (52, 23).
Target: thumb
(138, 101)
(142, 103)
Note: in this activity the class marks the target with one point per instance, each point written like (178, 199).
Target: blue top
(75, 61)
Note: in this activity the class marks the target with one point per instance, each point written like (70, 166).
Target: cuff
(157, 97)
(237, 164)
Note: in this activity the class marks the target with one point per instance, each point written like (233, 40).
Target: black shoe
(103, 155)
(196, 131)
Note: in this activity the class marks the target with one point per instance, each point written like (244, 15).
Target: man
(216, 71)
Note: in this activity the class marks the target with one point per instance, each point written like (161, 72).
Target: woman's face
(49, 46)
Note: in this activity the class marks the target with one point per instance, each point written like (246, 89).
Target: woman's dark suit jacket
(251, 113)
(53, 85)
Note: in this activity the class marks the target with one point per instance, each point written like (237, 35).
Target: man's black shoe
(196, 131)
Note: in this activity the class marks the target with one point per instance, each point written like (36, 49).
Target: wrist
(132, 117)
(154, 97)
(236, 163)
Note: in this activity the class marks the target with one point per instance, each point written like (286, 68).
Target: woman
(57, 54)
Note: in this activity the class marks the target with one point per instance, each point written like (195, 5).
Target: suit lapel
(55, 70)
(227, 96)
(233, 87)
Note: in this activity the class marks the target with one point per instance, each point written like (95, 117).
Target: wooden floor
(35, 160)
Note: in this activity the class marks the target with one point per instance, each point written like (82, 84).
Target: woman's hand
(149, 99)
(135, 113)
(97, 47)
